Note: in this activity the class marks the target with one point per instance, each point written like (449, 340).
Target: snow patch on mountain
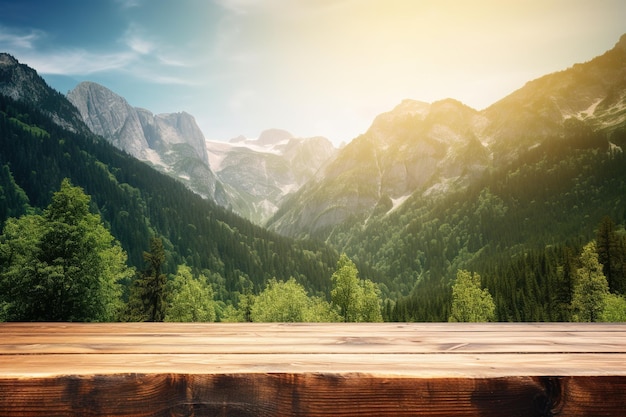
(591, 109)
(263, 171)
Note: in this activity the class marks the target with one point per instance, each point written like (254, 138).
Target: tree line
(586, 294)
(65, 265)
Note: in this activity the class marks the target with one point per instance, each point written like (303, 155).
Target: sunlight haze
(313, 67)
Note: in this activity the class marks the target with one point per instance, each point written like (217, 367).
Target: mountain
(136, 201)
(264, 171)
(250, 177)
(171, 142)
(421, 149)
(20, 82)
(512, 193)
(591, 94)
(416, 146)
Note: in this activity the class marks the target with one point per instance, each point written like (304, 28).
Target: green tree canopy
(614, 309)
(288, 301)
(357, 300)
(470, 303)
(63, 265)
(190, 299)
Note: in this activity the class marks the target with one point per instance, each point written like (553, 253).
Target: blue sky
(313, 67)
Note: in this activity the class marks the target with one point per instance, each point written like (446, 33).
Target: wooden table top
(448, 369)
(446, 349)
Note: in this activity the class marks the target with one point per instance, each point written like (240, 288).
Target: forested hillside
(519, 226)
(513, 192)
(138, 203)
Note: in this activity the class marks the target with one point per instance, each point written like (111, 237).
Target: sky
(312, 67)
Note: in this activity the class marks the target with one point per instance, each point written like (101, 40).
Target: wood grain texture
(158, 369)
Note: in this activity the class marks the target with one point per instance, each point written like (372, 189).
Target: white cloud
(135, 39)
(139, 45)
(172, 62)
(76, 62)
(25, 46)
(160, 78)
(13, 40)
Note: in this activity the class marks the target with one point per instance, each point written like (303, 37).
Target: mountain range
(431, 149)
(509, 191)
(43, 140)
(250, 177)
(428, 148)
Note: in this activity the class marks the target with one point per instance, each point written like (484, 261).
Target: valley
(513, 193)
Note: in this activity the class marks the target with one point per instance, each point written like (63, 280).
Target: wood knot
(547, 403)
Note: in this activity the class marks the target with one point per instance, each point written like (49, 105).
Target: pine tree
(146, 301)
(591, 288)
(155, 279)
(610, 255)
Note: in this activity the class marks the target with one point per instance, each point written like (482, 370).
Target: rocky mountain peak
(110, 116)
(238, 139)
(406, 108)
(273, 137)
(135, 130)
(20, 82)
(181, 128)
(260, 173)
(172, 142)
(7, 60)
(421, 149)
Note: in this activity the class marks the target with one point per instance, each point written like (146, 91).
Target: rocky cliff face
(135, 130)
(111, 117)
(251, 177)
(260, 173)
(593, 93)
(416, 146)
(172, 142)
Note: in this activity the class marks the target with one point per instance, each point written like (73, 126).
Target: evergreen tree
(610, 255)
(154, 280)
(591, 288)
(147, 294)
(470, 303)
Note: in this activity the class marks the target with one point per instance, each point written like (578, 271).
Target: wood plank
(311, 395)
(418, 365)
(445, 369)
(224, 338)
